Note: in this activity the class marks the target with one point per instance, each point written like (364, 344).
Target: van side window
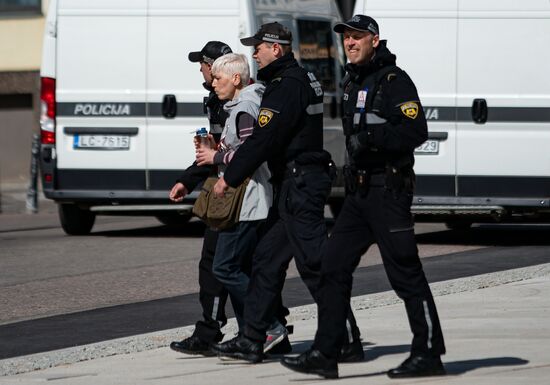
(317, 52)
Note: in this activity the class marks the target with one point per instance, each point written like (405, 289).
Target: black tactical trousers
(383, 217)
(212, 293)
(295, 228)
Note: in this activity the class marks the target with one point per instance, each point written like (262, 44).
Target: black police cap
(360, 23)
(270, 33)
(210, 52)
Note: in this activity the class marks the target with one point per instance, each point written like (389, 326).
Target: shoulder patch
(264, 117)
(409, 109)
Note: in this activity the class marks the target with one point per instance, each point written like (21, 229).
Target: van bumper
(425, 201)
(480, 209)
(121, 200)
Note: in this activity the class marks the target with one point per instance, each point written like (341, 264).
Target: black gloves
(357, 143)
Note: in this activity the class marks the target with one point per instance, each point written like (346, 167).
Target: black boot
(352, 352)
(242, 348)
(193, 345)
(312, 362)
(418, 366)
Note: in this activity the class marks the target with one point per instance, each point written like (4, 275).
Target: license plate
(102, 142)
(428, 147)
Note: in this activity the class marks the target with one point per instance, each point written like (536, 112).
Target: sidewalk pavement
(13, 200)
(496, 327)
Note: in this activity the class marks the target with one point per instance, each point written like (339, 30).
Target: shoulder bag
(219, 213)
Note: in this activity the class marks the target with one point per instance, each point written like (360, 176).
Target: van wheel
(458, 224)
(174, 219)
(74, 220)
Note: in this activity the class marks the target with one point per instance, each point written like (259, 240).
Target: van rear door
(101, 80)
(503, 98)
(175, 92)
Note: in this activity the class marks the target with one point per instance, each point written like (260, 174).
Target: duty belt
(297, 171)
(365, 178)
(361, 177)
(359, 181)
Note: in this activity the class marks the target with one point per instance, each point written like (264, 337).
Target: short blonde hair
(232, 63)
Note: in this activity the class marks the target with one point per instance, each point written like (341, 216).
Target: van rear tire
(174, 219)
(74, 220)
(459, 225)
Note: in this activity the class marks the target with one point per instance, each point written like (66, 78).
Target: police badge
(264, 117)
(410, 109)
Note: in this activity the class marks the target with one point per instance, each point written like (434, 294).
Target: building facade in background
(21, 30)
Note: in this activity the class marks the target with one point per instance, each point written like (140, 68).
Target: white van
(482, 71)
(121, 100)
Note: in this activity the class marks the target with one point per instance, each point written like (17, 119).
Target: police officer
(383, 123)
(289, 135)
(212, 294)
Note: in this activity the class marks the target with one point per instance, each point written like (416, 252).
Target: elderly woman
(235, 246)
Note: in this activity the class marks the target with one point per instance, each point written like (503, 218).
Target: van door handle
(479, 111)
(169, 106)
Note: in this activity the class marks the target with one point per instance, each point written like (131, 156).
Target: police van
(121, 101)
(481, 69)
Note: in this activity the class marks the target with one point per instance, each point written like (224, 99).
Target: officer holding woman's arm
(289, 135)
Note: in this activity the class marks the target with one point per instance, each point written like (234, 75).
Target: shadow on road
(372, 351)
(461, 367)
(453, 368)
(491, 235)
(193, 229)
(482, 235)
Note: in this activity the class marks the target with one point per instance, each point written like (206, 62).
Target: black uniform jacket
(283, 104)
(397, 103)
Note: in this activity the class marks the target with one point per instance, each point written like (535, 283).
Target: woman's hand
(178, 192)
(220, 188)
(204, 155)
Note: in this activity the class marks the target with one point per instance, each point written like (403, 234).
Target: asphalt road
(133, 275)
